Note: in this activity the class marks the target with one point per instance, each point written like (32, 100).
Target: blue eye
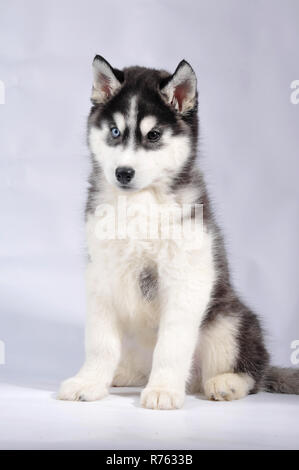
(115, 132)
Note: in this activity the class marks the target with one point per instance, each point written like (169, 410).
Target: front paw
(81, 389)
(162, 399)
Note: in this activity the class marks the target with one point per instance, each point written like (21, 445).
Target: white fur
(147, 124)
(151, 167)
(120, 122)
(218, 351)
(132, 117)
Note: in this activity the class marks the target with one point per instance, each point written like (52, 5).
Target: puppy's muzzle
(124, 175)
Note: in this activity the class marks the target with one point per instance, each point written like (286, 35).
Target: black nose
(124, 174)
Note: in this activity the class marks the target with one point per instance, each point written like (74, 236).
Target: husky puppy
(161, 313)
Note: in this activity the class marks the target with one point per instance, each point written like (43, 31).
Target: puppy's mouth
(126, 187)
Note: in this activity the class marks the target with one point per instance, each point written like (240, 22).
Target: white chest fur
(116, 264)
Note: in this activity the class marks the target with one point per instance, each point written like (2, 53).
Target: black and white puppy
(161, 311)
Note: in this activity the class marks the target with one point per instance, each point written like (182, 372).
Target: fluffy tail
(282, 380)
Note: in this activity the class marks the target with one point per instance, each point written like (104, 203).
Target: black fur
(148, 283)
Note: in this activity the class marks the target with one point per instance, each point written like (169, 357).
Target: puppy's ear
(106, 80)
(180, 89)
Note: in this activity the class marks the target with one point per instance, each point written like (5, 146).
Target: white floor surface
(34, 419)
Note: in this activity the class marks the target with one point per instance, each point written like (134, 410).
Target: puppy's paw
(226, 387)
(162, 399)
(79, 389)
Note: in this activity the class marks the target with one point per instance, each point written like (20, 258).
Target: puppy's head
(143, 124)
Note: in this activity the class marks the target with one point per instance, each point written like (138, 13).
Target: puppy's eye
(115, 132)
(153, 136)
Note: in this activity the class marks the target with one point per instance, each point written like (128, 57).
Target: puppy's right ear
(106, 80)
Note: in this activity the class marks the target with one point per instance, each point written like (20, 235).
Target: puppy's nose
(124, 174)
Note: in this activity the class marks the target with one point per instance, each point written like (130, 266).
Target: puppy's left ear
(106, 80)
(180, 89)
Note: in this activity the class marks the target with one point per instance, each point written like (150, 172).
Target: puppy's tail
(282, 380)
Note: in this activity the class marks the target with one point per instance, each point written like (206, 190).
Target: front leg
(103, 345)
(185, 288)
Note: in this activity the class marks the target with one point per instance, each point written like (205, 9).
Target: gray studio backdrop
(245, 53)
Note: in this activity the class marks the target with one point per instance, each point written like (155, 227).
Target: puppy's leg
(230, 368)
(103, 345)
(185, 294)
(130, 372)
